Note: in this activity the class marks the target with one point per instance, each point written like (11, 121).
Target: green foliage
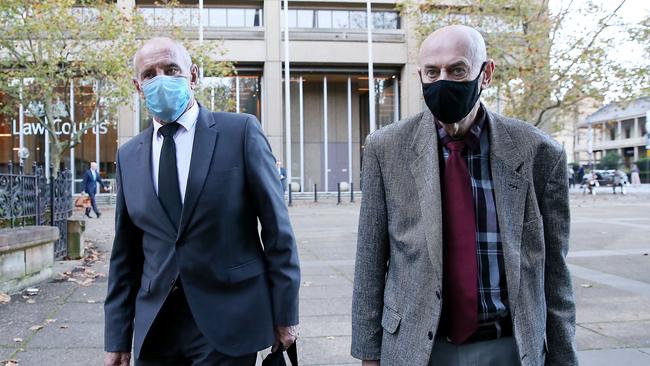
(544, 62)
(611, 160)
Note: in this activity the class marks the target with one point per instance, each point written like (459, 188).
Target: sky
(631, 12)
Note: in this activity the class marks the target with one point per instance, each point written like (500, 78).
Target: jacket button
(438, 294)
(430, 335)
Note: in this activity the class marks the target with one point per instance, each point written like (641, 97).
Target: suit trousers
(175, 339)
(498, 352)
(93, 203)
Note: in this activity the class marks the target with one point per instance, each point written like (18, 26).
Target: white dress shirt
(184, 139)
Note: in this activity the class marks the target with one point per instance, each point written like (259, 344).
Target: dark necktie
(460, 279)
(169, 191)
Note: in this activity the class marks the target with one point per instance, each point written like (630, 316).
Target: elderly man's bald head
(452, 44)
(161, 49)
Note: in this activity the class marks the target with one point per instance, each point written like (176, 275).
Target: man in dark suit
(91, 178)
(190, 281)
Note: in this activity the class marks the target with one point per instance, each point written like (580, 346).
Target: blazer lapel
(425, 169)
(143, 164)
(205, 141)
(510, 189)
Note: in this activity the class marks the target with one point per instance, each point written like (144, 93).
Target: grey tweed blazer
(398, 273)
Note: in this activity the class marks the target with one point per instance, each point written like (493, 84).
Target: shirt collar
(187, 120)
(473, 138)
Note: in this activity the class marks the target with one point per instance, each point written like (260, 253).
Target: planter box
(26, 256)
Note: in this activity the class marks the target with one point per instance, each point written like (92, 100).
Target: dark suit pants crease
(175, 339)
(497, 352)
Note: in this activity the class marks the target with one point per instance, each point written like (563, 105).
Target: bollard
(351, 192)
(338, 189)
(290, 201)
(315, 193)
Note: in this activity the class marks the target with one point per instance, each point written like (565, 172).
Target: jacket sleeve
(125, 273)
(85, 182)
(560, 304)
(281, 254)
(371, 261)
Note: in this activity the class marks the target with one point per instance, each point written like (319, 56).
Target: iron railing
(32, 199)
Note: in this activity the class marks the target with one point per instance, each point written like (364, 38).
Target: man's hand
(284, 337)
(370, 363)
(117, 359)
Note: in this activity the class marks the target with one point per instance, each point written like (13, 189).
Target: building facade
(329, 85)
(620, 128)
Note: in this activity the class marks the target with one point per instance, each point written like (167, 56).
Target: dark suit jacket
(237, 289)
(90, 184)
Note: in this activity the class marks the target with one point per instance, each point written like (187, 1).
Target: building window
(644, 132)
(341, 19)
(212, 17)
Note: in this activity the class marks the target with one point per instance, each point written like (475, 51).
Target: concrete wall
(26, 256)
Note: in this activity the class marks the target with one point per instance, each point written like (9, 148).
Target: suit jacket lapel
(205, 141)
(143, 164)
(425, 169)
(510, 189)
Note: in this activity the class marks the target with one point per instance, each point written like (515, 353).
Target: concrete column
(636, 150)
(619, 130)
(126, 116)
(127, 125)
(272, 115)
(637, 132)
(411, 91)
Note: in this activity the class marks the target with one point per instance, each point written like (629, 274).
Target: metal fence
(32, 199)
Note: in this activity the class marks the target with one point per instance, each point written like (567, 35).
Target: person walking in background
(620, 180)
(191, 280)
(91, 178)
(282, 173)
(581, 173)
(463, 229)
(572, 177)
(592, 183)
(634, 172)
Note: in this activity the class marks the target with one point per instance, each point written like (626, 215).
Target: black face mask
(451, 101)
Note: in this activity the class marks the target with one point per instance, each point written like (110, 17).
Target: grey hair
(177, 47)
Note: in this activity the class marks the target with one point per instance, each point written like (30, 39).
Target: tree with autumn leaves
(47, 44)
(548, 61)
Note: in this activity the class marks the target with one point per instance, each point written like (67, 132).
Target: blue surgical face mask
(167, 97)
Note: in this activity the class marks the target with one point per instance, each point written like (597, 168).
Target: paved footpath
(63, 323)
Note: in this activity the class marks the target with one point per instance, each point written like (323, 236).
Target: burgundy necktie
(460, 279)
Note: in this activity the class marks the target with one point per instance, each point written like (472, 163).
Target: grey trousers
(499, 352)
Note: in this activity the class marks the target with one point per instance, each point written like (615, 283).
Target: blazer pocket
(145, 283)
(246, 270)
(390, 320)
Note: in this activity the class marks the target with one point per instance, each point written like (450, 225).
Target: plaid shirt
(492, 290)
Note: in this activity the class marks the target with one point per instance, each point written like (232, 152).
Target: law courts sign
(60, 127)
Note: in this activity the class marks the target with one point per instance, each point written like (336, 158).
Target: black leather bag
(277, 358)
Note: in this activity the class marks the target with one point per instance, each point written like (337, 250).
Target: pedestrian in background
(620, 180)
(90, 181)
(282, 173)
(636, 179)
(440, 278)
(572, 177)
(581, 173)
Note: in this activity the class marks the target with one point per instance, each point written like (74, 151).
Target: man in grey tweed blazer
(525, 306)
